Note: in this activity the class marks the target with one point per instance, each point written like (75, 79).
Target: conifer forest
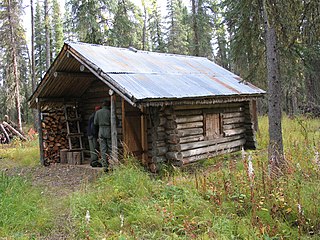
(269, 193)
(231, 33)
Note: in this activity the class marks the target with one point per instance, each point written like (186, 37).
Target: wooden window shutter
(213, 125)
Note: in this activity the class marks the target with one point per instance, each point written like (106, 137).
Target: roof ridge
(138, 50)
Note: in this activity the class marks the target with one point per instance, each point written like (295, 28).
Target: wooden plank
(212, 126)
(189, 125)
(123, 116)
(193, 145)
(188, 119)
(40, 132)
(114, 137)
(144, 140)
(213, 148)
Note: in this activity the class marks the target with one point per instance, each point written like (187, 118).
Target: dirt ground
(58, 180)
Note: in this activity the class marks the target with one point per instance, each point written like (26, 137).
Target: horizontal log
(173, 131)
(159, 151)
(158, 159)
(232, 126)
(173, 139)
(174, 148)
(188, 112)
(194, 138)
(205, 156)
(188, 119)
(209, 106)
(209, 149)
(176, 156)
(170, 124)
(190, 132)
(233, 120)
(190, 125)
(193, 145)
(232, 115)
(235, 131)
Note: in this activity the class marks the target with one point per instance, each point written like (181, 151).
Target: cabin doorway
(132, 130)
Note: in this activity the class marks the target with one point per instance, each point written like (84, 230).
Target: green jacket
(102, 120)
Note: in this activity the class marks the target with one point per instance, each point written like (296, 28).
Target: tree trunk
(47, 32)
(276, 159)
(15, 68)
(33, 81)
(195, 28)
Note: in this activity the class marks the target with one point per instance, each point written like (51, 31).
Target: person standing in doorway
(92, 133)
(102, 120)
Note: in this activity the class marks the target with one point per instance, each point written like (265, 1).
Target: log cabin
(165, 108)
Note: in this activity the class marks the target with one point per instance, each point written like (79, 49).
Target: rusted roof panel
(149, 75)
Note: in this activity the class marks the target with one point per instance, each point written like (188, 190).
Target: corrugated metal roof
(149, 75)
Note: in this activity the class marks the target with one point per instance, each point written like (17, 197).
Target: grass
(216, 199)
(23, 211)
(19, 154)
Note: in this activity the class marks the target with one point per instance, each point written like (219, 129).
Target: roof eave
(198, 100)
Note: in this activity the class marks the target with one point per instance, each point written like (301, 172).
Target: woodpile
(8, 132)
(54, 135)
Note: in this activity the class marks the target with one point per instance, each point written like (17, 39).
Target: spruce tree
(14, 66)
(127, 26)
(57, 27)
(177, 30)
(39, 48)
(155, 28)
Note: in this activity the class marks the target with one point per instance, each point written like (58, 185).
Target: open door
(134, 131)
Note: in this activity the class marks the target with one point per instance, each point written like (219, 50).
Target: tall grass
(23, 210)
(218, 201)
(19, 154)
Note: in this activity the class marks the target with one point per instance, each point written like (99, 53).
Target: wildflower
(250, 168)
(243, 154)
(121, 219)
(300, 209)
(87, 217)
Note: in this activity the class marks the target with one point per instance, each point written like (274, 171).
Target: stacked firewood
(54, 135)
(8, 132)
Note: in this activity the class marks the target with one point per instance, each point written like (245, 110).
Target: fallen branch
(5, 133)
(14, 130)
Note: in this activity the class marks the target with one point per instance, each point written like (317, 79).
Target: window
(212, 125)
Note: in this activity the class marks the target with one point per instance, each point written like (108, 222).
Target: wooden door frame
(143, 131)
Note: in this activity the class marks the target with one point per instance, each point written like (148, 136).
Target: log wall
(179, 133)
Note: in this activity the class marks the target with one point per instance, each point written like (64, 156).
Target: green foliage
(22, 209)
(127, 26)
(213, 200)
(20, 154)
(216, 201)
(178, 28)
